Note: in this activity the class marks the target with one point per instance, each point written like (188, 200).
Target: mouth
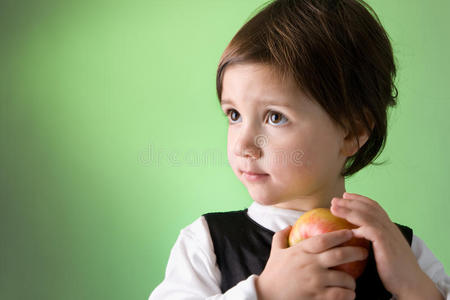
(253, 176)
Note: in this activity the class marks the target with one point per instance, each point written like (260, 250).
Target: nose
(249, 144)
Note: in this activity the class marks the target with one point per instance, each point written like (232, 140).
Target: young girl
(306, 85)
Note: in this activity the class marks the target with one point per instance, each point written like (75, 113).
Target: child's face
(298, 146)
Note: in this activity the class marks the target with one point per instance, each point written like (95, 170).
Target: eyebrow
(266, 102)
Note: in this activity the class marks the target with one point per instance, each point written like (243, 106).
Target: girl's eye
(233, 114)
(275, 117)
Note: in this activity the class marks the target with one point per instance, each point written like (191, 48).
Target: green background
(112, 139)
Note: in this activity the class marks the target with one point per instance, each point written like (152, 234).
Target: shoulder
(225, 214)
(193, 247)
(197, 234)
(230, 223)
(220, 217)
(191, 269)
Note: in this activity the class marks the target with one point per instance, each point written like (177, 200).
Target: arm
(436, 283)
(192, 272)
(425, 289)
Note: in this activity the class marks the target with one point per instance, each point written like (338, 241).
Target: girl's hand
(302, 271)
(396, 263)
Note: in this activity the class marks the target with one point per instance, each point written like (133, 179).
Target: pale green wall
(88, 87)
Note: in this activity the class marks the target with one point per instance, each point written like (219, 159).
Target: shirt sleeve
(192, 272)
(431, 266)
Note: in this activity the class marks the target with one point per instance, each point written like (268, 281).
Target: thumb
(280, 238)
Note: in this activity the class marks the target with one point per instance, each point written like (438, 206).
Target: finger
(352, 203)
(280, 238)
(339, 293)
(341, 255)
(324, 241)
(333, 278)
(359, 197)
(358, 216)
(377, 235)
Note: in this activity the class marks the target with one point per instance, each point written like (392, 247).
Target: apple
(321, 220)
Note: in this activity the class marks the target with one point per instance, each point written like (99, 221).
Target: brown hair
(338, 53)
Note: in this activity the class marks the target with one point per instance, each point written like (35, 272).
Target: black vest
(242, 248)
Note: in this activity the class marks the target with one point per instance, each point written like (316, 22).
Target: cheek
(230, 153)
(297, 161)
(284, 159)
(300, 154)
(292, 163)
(231, 159)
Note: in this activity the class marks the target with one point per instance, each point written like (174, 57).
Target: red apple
(321, 220)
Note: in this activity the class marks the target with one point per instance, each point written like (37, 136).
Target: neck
(318, 198)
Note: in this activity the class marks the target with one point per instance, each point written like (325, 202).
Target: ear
(350, 144)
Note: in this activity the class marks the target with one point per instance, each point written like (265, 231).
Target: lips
(252, 176)
(253, 173)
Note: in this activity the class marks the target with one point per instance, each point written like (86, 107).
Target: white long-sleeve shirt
(192, 272)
